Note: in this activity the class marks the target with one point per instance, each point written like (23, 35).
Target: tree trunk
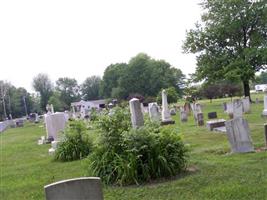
(246, 89)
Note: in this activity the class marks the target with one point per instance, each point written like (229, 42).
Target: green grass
(26, 167)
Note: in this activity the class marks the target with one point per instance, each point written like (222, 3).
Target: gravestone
(200, 119)
(187, 107)
(246, 105)
(264, 112)
(136, 113)
(183, 116)
(153, 111)
(172, 111)
(212, 115)
(224, 106)
(54, 124)
(198, 108)
(215, 124)
(230, 110)
(166, 117)
(257, 101)
(237, 108)
(239, 135)
(85, 188)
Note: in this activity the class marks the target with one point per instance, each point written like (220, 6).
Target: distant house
(260, 87)
(82, 108)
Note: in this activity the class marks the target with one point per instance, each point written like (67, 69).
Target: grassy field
(26, 167)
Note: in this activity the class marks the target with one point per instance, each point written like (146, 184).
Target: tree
(110, 82)
(43, 85)
(58, 105)
(231, 41)
(172, 95)
(68, 90)
(91, 88)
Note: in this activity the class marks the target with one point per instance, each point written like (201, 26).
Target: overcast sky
(78, 39)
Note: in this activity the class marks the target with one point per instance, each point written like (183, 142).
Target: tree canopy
(231, 40)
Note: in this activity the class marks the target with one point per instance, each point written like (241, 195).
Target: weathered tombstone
(237, 108)
(19, 123)
(85, 188)
(172, 111)
(230, 110)
(200, 119)
(246, 105)
(257, 101)
(239, 135)
(183, 116)
(153, 111)
(265, 134)
(166, 117)
(187, 107)
(212, 115)
(136, 113)
(198, 108)
(264, 112)
(54, 124)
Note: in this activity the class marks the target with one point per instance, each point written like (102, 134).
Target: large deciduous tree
(231, 41)
(90, 88)
(43, 85)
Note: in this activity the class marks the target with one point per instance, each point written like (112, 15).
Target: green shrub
(126, 156)
(76, 143)
(172, 95)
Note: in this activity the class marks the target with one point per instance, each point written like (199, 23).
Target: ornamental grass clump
(126, 156)
(76, 143)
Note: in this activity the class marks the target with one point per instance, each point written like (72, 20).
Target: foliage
(126, 156)
(76, 143)
(57, 103)
(90, 88)
(69, 91)
(231, 40)
(172, 95)
(43, 85)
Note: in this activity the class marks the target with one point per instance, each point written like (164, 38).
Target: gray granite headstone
(85, 188)
(183, 116)
(264, 112)
(239, 135)
(166, 116)
(153, 110)
(212, 115)
(237, 108)
(137, 117)
(246, 105)
(200, 119)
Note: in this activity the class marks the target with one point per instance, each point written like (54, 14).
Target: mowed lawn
(215, 174)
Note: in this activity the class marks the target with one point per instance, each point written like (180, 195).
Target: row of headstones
(11, 123)
(237, 107)
(137, 117)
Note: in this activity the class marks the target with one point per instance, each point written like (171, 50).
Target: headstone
(224, 106)
(19, 123)
(166, 117)
(230, 110)
(85, 188)
(239, 135)
(200, 119)
(215, 124)
(212, 115)
(153, 111)
(183, 116)
(265, 134)
(136, 113)
(237, 108)
(172, 111)
(54, 124)
(264, 112)
(246, 105)
(198, 108)
(257, 101)
(187, 107)
(221, 129)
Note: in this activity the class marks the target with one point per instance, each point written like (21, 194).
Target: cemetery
(217, 162)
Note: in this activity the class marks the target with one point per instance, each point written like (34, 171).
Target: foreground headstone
(166, 117)
(54, 124)
(85, 188)
(153, 110)
(137, 117)
(239, 135)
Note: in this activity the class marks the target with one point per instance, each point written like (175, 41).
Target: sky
(78, 39)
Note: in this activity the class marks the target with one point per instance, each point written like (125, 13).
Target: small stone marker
(200, 119)
(239, 135)
(166, 117)
(215, 124)
(212, 115)
(172, 111)
(183, 116)
(224, 106)
(230, 110)
(136, 113)
(153, 110)
(85, 188)
(265, 134)
(237, 108)
(257, 101)
(187, 108)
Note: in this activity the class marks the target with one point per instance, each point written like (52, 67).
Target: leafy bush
(172, 95)
(76, 143)
(126, 156)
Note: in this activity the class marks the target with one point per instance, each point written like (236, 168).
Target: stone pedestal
(166, 117)
(239, 135)
(136, 113)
